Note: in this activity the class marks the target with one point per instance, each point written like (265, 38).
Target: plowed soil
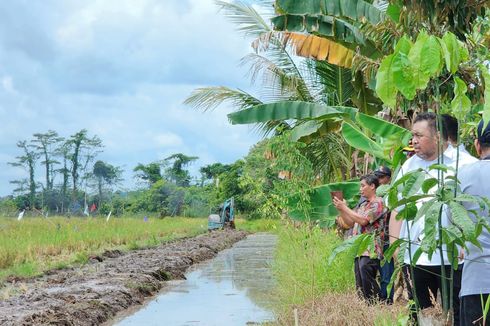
(108, 284)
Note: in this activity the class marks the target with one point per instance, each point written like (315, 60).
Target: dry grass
(345, 309)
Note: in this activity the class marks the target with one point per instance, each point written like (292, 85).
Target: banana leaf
(357, 139)
(286, 110)
(357, 10)
(383, 128)
(321, 208)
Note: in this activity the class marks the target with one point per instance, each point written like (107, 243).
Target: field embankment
(108, 283)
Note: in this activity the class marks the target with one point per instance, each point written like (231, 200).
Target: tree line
(63, 176)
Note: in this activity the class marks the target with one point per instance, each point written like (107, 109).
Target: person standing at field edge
(366, 218)
(475, 285)
(426, 272)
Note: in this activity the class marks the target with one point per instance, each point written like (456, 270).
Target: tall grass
(32, 245)
(258, 225)
(321, 294)
(301, 268)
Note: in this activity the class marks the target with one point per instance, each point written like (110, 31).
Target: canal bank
(234, 288)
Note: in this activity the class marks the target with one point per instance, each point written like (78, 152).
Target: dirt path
(109, 284)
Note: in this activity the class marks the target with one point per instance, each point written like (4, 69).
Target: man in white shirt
(426, 273)
(451, 124)
(476, 270)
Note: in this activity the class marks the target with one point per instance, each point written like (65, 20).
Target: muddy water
(235, 288)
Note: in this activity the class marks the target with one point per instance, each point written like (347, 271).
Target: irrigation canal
(234, 288)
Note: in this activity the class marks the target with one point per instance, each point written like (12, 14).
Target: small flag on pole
(108, 216)
(21, 215)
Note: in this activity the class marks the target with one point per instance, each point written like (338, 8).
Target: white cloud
(8, 85)
(168, 139)
(120, 69)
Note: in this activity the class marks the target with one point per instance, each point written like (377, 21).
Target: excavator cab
(225, 217)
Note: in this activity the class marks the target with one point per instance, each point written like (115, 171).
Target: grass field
(33, 245)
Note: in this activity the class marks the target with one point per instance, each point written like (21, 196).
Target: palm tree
(284, 78)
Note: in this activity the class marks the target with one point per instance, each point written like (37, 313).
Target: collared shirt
(464, 157)
(372, 212)
(476, 268)
(416, 229)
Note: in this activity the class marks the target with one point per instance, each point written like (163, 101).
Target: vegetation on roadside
(322, 293)
(34, 245)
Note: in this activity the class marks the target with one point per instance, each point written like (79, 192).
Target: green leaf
(403, 75)
(290, 110)
(405, 177)
(461, 104)
(408, 212)
(420, 76)
(389, 288)
(321, 207)
(388, 254)
(410, 199)
(305, 129)
(357, 10)
(441, 167)
(452, 255)
(393, 11)
(351, 244)
(383, 128)
(429, 243)
(429, 184)
(385, 83)
(357, 139)
(451, 50)
(431, 57)
(486, 107)
(403, 45)
(413, 184)
(424, 208)
(460, 217)
(470, 198)
(416, 256)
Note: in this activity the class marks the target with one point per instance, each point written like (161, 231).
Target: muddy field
(108, 284)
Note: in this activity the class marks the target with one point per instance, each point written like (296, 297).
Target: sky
(120, 69)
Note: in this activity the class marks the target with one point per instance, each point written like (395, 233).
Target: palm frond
(334, 81)
(208, 98)
(251, 23)
(248, 20)
(328, 156)
(277, 83)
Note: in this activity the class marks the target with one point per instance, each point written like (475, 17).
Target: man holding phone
(366, 218)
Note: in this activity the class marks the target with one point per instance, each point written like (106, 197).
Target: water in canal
(232, 289)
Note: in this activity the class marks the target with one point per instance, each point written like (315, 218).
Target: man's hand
(341, 205)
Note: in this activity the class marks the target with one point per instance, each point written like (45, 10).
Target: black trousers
(428, 281)
(365, 270)
(471, 310)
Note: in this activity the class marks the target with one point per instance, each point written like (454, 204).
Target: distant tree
(63, 152)
(176, 173)
(212, 171)
(83, 150)
(105, 174)
(45, 145)
(28, 162)
(150, 173)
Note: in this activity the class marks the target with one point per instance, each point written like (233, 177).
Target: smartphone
(339, 194)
